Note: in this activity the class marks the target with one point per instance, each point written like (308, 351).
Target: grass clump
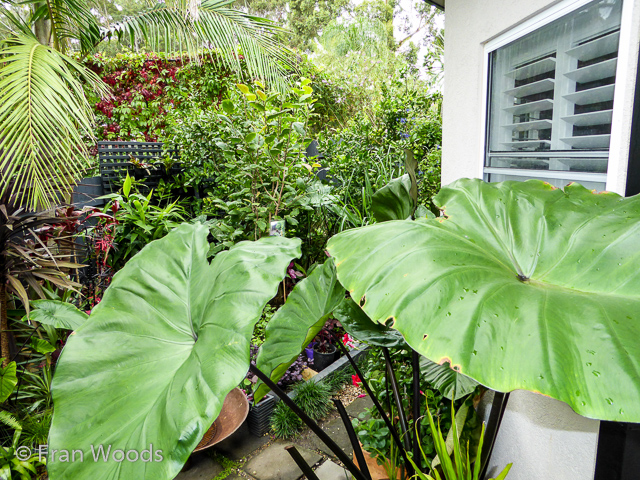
(313, 398)
(284, 422)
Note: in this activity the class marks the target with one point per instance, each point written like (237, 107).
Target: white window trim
(624, 91)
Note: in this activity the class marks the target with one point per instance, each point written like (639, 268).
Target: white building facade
(549, 90)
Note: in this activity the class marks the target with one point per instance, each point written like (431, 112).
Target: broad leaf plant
(515, 285)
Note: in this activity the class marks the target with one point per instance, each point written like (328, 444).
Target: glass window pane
(552, 91)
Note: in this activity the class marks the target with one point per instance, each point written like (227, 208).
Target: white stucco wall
(543, 437)
(469, 25)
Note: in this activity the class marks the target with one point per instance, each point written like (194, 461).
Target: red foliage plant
(145, 87)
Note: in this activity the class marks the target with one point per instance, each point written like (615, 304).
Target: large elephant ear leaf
(8, 379)
(57, 314)
(168, 341)
(450, 383)
(519, 286)
(298, 321)
(357, 324)
(393, 201)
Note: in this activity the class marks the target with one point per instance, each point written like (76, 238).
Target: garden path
(245, 456)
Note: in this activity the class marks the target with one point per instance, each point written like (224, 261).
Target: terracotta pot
(377, 471)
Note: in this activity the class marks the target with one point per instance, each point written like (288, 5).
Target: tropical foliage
(460, 467)
(44, 115)
(44, 110)
(539, 282)
(26, 259)
(190, 358)
(247, 165)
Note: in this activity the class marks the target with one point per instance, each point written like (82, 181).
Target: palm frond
(73, 21)
(212, 25)
(13, 19)
(9, 420)
(361, 35)
(43, 116)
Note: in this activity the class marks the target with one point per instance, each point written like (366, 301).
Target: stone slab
(200, 467)
(331, 471)
(274, 463)
(338, 433)
(241, 444)
(359, 405)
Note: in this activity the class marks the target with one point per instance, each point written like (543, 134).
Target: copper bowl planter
(234, 411)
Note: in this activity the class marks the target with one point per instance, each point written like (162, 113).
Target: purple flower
(293, 273)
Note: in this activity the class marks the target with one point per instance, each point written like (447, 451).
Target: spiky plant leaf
(44, 116)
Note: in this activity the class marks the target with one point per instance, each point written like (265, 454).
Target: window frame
(623, 93)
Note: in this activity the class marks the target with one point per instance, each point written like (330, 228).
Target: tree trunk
(42, 28)
(4, 326)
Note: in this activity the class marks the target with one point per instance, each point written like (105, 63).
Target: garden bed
(259, 419)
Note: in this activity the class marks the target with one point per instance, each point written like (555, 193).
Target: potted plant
(324, 352)
(259, 418)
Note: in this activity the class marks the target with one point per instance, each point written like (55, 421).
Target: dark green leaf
(8, 380)
(446, 380)
(298, 321)
(228, 106)
(393, 201)
(360, 326)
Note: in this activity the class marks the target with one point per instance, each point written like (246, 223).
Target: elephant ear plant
(151, 366)
(516, 285)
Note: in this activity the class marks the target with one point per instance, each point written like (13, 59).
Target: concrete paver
(274, 463)
(331, 471)
(338, 433)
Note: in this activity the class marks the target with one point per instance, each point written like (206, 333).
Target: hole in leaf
(363, 300)
(389, 322)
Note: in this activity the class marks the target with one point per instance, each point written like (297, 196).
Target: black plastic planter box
(115, 159)
(86, 192)
(259, 418)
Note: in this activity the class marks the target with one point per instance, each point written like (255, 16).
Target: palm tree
(369, 36)
(45, 118)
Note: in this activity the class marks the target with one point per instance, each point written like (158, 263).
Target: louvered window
(551, 100)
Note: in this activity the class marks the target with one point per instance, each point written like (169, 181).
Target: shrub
(314, 398)
(146, 87)
(285, 423)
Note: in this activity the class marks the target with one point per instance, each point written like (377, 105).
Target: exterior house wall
(543, 437)
(469, 26)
